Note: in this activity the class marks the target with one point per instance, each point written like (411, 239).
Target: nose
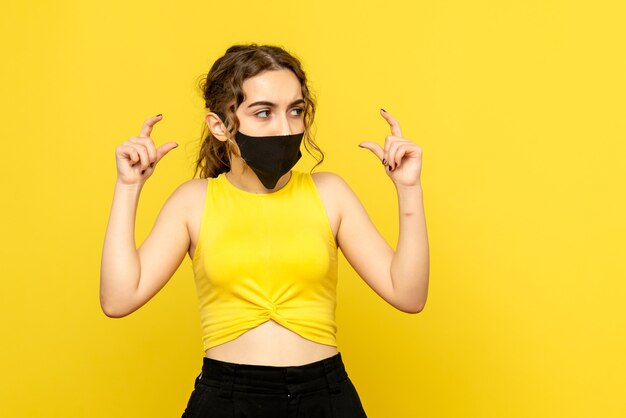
(284, 126)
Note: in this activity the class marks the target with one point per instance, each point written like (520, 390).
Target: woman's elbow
(411, 307)
(113, 310)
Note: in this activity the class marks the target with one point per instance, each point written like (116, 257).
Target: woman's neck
(244, 178)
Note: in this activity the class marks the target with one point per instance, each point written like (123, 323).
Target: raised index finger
(146, 129)
(395, 126)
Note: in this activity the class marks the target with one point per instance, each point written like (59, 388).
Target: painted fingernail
(384, 161)
(159, 115)
(383, 110)
(389, 167)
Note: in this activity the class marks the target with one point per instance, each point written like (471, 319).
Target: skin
(130, 276)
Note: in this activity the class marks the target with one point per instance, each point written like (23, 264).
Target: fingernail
(384, 161)
(383, 110)
(389, 167)
(159, 115)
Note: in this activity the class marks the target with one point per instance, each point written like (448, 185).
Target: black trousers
(317, 390)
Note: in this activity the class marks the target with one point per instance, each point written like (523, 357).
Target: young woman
(263, 241)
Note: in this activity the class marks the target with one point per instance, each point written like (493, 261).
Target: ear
(216, 126)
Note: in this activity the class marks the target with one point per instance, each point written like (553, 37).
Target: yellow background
(518, 105)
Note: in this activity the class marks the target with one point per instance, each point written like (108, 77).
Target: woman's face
(273, 104)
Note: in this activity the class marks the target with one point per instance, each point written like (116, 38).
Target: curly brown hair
(222, 92)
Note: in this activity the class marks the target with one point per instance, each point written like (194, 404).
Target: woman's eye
(297, 111)
(263, 114)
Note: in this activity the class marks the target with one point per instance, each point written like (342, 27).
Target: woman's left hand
(401, 157)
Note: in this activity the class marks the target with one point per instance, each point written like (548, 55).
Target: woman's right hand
(136, 158)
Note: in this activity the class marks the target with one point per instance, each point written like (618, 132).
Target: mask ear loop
(229, 141)
(233, 149)
(238, 155)
(231, 144)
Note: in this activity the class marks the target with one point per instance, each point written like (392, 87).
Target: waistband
(288, 380)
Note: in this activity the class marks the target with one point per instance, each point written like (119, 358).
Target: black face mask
(270, 157)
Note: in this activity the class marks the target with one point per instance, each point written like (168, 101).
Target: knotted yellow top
(265, 256)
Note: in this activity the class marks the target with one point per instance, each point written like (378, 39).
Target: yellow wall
(518, 105)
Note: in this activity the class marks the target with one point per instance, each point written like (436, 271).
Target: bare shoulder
(337, 196)
(327, 181)
(332, 185)
(331, 188)
(193, 186)
(186, 201)
(190, 192)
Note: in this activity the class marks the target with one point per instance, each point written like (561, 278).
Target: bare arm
(410, 266)
(129, 277)
(401, 276)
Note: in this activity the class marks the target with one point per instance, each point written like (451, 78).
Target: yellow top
(265, 256)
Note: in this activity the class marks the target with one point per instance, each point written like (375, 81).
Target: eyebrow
(270, 104)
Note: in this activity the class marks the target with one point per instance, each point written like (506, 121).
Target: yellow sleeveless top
(265, 256)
